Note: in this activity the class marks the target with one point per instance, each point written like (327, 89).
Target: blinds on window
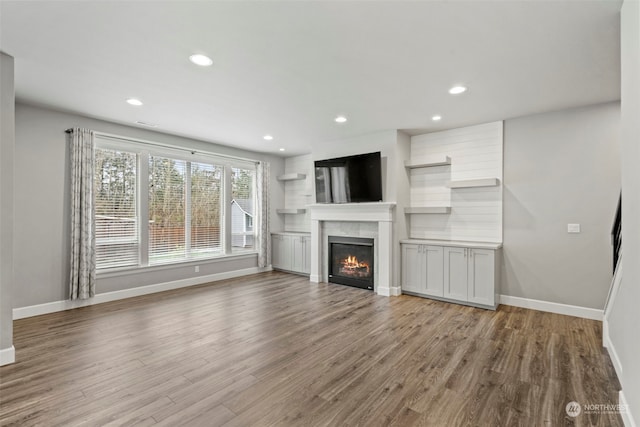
(206, 185)
(116, 224)
(167, 220)
(184, 216)
(242, 209)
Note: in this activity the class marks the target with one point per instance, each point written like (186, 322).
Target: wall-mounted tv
(351, 179)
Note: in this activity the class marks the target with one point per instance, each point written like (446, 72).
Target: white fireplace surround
(381, 213)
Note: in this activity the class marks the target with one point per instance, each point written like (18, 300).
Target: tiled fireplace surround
(370, 220)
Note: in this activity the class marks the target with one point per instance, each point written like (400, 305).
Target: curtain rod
(170, 146)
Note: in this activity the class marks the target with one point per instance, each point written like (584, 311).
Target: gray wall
(41, 264)
(559, 168)
(624, 319)
(7, 104)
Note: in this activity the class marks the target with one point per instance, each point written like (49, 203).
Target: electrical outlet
(197, 269)
(573, 228)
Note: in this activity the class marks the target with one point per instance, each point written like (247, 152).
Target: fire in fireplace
(351, 261)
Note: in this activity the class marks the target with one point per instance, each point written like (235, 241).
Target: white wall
(559, 168)
(41, 263)
(476, 213)
(7, 105)
(624, 319)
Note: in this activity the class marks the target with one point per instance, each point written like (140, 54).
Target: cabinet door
(297, 256)
(276, 251)
(413, 267)
(455, 273)
(482, 276)
(434, 283)
(281, 251)
(306, 244)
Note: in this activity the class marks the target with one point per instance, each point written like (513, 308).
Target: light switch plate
(573, 228)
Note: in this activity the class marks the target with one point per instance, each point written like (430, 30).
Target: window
(206, 188)
(184, 210)
(181, 199)
(116, 216)
(167, 237)
(242, 209)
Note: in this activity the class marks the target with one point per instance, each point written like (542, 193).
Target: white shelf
(292, 177)
(428, 162)
(428, 210)
(468, 183)
(291, 211)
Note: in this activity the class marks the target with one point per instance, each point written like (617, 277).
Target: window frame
(143, 151)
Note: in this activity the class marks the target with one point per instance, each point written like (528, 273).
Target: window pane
(166, 210)
(242, 209)
(206, 181)
(115, 216)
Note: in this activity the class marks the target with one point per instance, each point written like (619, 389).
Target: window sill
(127, 271)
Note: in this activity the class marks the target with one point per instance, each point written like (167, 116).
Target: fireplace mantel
(381, 213)
(376, 211)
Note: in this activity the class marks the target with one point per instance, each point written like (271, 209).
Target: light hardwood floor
(273, 349)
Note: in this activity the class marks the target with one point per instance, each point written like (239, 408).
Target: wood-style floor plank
(275, 350)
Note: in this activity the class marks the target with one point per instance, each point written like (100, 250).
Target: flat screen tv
(351, 179)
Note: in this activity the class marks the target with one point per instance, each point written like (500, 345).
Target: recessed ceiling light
(436, 118)
(282, 149)
(457, 90)
(268, 137)
(201, 60)
(134, 101)
(340, 119)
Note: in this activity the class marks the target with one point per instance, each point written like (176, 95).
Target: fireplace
(351, 261)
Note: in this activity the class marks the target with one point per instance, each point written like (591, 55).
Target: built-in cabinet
(291, 252)
(452, 271)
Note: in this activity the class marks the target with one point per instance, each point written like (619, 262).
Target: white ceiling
(288, 68)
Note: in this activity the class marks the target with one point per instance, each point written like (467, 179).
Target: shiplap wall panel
(298, 194)
(476, 213)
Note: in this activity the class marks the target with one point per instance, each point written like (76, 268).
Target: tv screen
(351, 179)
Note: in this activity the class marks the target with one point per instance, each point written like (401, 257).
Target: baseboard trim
(395, 291)
(52, 307)
(627, 417)
(385, 292)
(613, 354)
(7, 356)
(553, 307)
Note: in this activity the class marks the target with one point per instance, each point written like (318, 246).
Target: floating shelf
(291, 211)
(429, 210)
(291, 177)
(467, 183)
(429, 162)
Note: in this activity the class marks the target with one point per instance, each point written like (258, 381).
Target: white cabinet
(422, 269)
(291, 252)
(461, 274)
(301, 256)
(413, 269)
(482, 276)
(455, 273)
(281, 252)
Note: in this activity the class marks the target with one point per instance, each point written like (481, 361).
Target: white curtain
(83, 260)
(264, 235)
